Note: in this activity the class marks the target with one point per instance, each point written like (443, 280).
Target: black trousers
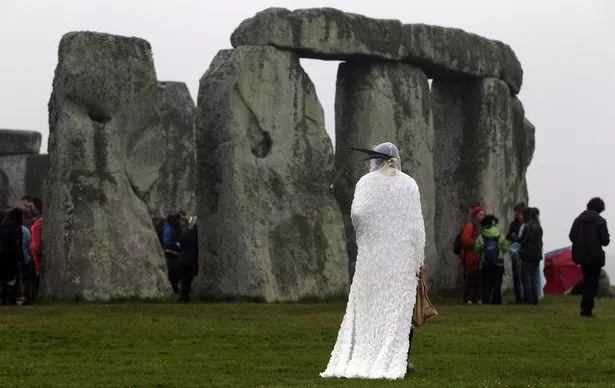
(472, 286)
(186, 288)
(173, 271)
(492, 284)
(591, 274)
(516, 273)
(410, 345)
(30, 282)
(9, 282)
(529, 278)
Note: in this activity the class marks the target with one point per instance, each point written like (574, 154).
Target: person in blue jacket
(170, 242)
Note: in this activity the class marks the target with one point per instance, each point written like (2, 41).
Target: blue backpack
(491, 250)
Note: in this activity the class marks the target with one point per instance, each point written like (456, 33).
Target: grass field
(286, 345)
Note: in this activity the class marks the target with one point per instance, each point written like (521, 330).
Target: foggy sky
(565, 48)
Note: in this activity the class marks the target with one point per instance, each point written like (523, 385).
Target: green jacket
(480, 243)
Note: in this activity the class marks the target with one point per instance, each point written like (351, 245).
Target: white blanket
(373, 338)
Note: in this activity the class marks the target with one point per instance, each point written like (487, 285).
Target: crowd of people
(21, 249)
(483, 247)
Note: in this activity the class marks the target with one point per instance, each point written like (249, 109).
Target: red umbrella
(561, 272)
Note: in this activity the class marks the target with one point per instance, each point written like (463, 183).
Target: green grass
(286, 345)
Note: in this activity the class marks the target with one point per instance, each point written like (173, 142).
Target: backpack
(457, 245)
(491, 250)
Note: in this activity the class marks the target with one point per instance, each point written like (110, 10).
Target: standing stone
(98, 236)
(378, 102)
(37, 167)
(476, 160)
(269, 226)
(452, 200)
(12, 179)
(161, 162)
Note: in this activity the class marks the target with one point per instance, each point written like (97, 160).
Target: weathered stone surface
(21, 175)
(523, 136)
(12, 179)
(37, 170)
(452, 53)
(269, 226)
(478, 159)
(327, 33)
(523, 148)
(452, 203)
(98, 236)
(19, 142)
(323, 33)
(378, 102)
(161, 145)
(511, 71)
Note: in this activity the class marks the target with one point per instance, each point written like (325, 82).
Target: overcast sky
(566, 49)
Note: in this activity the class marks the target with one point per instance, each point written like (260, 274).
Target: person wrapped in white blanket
(374, 337)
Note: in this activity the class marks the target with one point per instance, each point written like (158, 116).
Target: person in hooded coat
(171, 232)
(492, 245)
(589, 233)
(374, 336)
(188, 258)
(11, 256)
(530, 254)
(470, 258)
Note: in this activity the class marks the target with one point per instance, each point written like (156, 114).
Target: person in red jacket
(470, 258)
(36, 246)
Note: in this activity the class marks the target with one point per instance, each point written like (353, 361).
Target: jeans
(591, 274)
(28, 281)
(516, 275)
(529, 274)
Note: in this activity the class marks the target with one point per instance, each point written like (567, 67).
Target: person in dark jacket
(11, 256)
(589, 233)
(170, 241)
(188, 258)
(513, 236)
(530, 255)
